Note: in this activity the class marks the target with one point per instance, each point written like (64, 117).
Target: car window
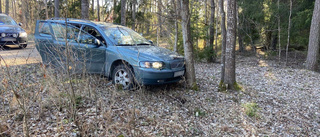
(124, 36)
(60, 30)
(44, 28)
(94, 32)
(86, 38)
(5, 20)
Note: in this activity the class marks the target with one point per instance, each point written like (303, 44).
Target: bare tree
(84, 9)
(223, 35)
(56, 9)
(123, 12)
(230, 69)
(188, 49)
(314, 39)
(0, 7)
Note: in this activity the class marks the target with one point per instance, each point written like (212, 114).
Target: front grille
(177, 64)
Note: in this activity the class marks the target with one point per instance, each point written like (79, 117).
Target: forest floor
(275, 100)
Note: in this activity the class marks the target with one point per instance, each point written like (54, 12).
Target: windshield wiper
(124, 45)
(144, 43)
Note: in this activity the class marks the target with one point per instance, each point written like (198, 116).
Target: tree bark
(85, 9)
(92, 6)
(314, 39)
(188, 49)
(211, 30)
(123, 12)
(230, 69)
(223, 35)
(56, 9)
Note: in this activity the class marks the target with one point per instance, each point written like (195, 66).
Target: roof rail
(72, 19)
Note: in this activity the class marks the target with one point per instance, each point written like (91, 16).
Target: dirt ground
(13, 55)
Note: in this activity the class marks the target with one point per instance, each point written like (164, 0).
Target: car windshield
(124, 36)
(5, 20)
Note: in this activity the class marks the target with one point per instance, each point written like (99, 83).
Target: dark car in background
(11, 33)
(112, 50)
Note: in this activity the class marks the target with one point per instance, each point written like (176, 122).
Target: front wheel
(123, 76)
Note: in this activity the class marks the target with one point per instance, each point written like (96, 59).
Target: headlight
(23, 34)
(149, 64)
(3, 34)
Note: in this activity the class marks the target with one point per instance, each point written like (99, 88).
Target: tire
(22, 46)
(123, 75)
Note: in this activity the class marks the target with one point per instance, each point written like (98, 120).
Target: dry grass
(288, 101)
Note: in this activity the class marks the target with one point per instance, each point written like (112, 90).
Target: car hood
(149, 53)
(10, 28)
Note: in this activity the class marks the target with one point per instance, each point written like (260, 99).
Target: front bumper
(147, 76)
(13, 41)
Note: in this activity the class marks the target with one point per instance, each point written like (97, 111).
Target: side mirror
(151, 42)
(20, 24)
(97, 42)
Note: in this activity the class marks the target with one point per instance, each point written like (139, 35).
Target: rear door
(44, 41)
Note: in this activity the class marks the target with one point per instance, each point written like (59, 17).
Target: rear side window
(60, 30)
(44, 28)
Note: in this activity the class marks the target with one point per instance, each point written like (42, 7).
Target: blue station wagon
(112, 50)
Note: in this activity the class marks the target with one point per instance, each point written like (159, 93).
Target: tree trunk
(241, 48)
(46, 8)
(159, 18)
(0, 7)
(92, 7)
(279, 31)
(123, 12)
(188, 49)
(98, 9)
(56, 9)
(223, 35)
(7, 7)
(206, 40)
(85, 9)
(211, 30)
(314, 39)
(176, 27)
(230, 69)
(134, 14)
(289, 28)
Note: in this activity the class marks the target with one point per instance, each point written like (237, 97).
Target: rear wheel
(22, 46)
(123, 75)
